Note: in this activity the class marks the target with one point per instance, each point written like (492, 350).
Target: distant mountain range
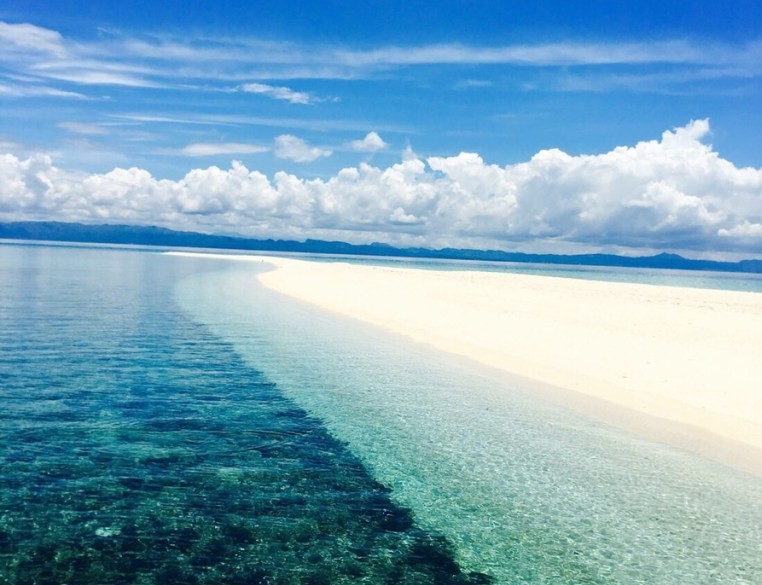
(157, 236)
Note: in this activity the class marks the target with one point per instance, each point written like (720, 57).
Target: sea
(167, 420)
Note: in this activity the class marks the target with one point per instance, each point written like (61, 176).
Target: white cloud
(544, 54)
(371, 143)
(169, 119)
(675, 193)
(473, 83)
(8, 146)
(37, 91)
(27, 37)
(296, 149)
(319, 125)
(213, 149)
(203, 63)
(752, 231)
(83, 76)
(279, 93)
(83, 128)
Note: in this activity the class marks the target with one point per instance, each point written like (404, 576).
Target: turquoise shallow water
(168, 420)
(740, 281)
(527, 492)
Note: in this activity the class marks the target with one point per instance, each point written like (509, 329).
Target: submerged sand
(677, 364)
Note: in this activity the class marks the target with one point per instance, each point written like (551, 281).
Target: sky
(629, 127)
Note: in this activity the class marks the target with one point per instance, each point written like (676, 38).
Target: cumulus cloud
(296, 149)
(672, 193)
(745, 230)
(371, 143)
(279, 93)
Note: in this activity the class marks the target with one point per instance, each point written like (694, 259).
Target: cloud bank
(675, 193)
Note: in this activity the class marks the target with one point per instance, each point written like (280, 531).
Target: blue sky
(413, 122)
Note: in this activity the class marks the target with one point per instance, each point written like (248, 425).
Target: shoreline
(671, 364)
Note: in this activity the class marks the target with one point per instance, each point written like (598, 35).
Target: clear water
(138, 447)
(527, 492)
(168, 420)
(740, 281)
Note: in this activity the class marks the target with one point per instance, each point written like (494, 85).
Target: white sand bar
(690, 356)
(690, 359)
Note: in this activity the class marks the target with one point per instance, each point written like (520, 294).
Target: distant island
(158, 236)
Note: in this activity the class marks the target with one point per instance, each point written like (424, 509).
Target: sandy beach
(680, 365)
(685, 356)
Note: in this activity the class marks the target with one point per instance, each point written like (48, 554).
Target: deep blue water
(138, 447)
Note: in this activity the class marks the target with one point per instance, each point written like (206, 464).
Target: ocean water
(739, 281)
(138, 447)
(168, 420)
